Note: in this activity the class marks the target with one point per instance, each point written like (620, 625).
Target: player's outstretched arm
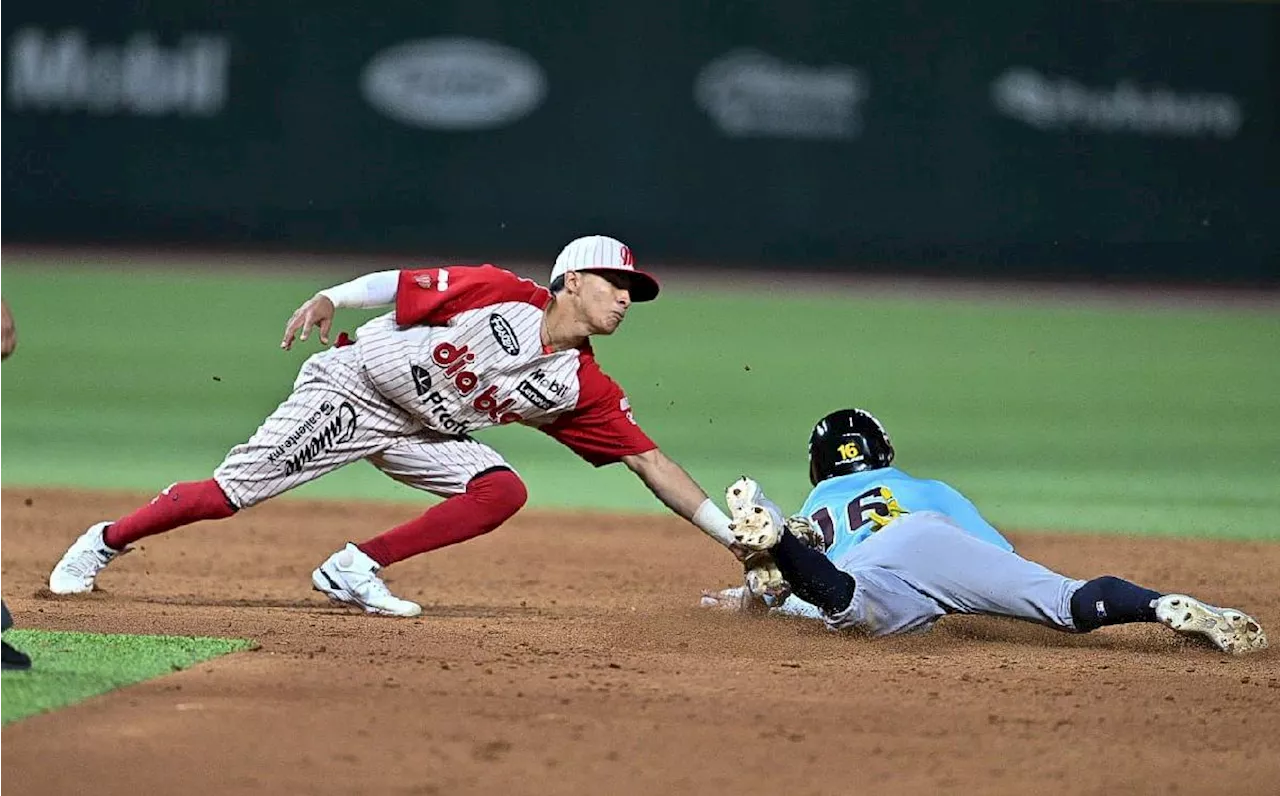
(371, 290)
(678, 491)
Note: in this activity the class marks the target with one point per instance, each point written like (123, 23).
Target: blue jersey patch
(849, 508)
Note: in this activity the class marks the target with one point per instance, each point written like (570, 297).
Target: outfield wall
(1098, 140)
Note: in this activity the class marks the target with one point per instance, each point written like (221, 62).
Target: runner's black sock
(1111, 601)
(812, 576)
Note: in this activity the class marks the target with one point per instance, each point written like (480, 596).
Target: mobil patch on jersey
(554, 386)
(504, 334)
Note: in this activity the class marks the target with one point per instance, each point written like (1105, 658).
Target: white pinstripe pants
(335, 417)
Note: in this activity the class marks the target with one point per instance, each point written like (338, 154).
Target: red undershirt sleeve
(601, 429)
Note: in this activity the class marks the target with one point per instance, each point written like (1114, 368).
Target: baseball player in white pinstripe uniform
(465, 348)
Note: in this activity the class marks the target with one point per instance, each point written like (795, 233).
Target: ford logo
(453, 84)
(504, 334)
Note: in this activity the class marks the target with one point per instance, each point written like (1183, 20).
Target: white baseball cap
(601, 253)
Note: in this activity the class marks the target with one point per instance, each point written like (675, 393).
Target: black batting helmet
(847, 441)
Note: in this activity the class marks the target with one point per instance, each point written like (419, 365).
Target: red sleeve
(431, 296)
(600, 428)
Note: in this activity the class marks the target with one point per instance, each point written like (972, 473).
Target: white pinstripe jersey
(463, 351)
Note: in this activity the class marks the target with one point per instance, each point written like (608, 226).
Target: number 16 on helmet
(847, 441)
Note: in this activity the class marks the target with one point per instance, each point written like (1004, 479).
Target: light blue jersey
(849, 508)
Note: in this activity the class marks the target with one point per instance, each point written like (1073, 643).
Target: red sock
(180, 504)
(489, 501)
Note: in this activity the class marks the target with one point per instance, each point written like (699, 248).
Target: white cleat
(757, 522)
(80, 565)
(350, 577)
(1231, 631)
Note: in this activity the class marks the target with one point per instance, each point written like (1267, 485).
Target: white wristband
(713, 522)
(371, 290)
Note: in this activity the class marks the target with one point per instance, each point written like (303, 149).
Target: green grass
(71, 667)
(1113, 419)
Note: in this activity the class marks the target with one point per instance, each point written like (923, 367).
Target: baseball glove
(807, 532)
(756, 526)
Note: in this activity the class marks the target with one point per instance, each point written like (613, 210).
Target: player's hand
(807, 531)
(737, 599)
(764, 580)
(318, 311)
(740, 552)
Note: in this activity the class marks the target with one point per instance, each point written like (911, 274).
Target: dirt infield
(562, 655)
